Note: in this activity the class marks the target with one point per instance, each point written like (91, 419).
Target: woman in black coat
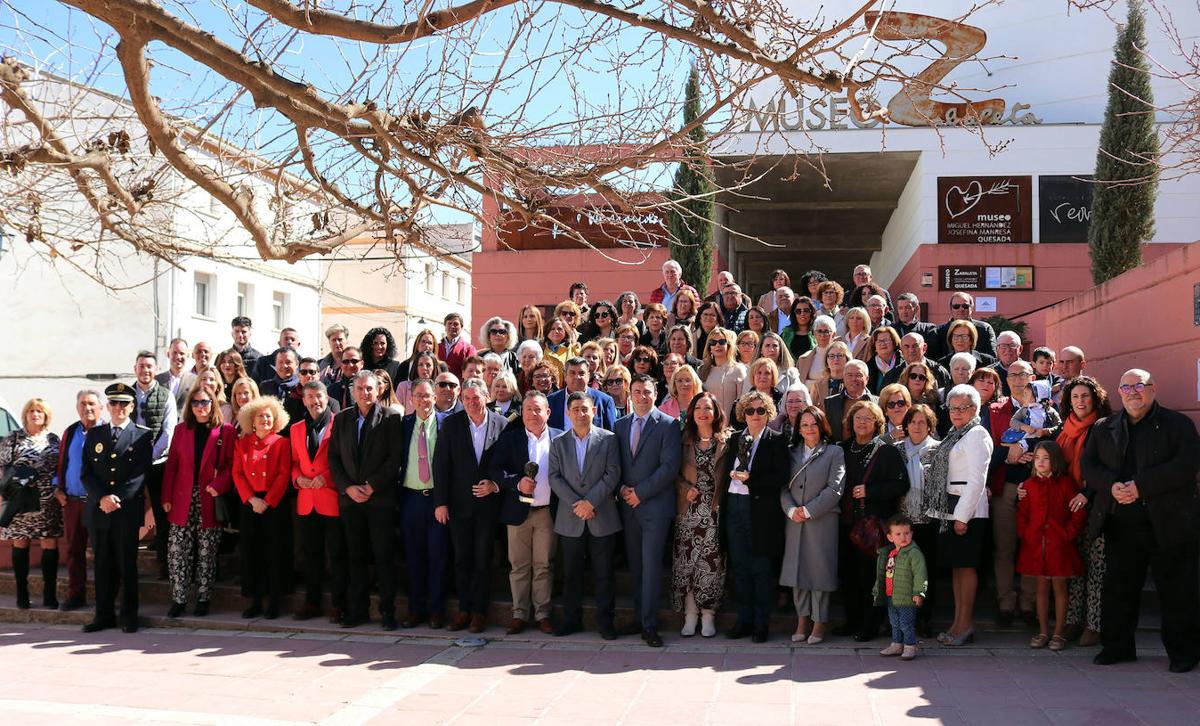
(876, 481)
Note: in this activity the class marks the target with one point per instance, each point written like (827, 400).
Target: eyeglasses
(822, 332)
(613, 381)
(497, 331)
(961, 409)
(351, 361)
(960, 336)
(918, 377)
(960, 306)
(201, 402)
(626, 337)
(447, 384)
(309, 371)
(836, 356)
(1008, 346)
(757, 411)
(1127, 388)
(897, 404)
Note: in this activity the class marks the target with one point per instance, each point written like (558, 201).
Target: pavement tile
(1011, 714)
(755, 713)
(944, 716)
(1092, 717)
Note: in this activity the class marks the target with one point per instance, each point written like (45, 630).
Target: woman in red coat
(199, 468)
(1047, 529)
(262, 468)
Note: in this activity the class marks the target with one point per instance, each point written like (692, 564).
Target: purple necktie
(423, 457)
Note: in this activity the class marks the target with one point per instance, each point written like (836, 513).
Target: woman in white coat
(955, 492)
(810, 503)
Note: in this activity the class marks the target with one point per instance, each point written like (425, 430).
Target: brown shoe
(546, 626)
(515, 626)
(1089, 638)
(437, 621)
(460, 621)
(335, 615)
(478, 624)
(306, 611)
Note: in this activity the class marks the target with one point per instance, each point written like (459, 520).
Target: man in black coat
(854, 388)
(364, 458)
(962, 307)
(908, 318)
(117, 459)
(1140, 467)
(468, 501)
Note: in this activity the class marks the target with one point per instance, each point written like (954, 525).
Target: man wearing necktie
(649, 442)
(426, 541)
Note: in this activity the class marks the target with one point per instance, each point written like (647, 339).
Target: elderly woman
(683, 309)
(425, 366)
(262, 468)
(616, 384)
(654, 318)
(797, 336)
(962, 365)
(811, 366)
(379, 351)
(31, 453)
(529, 352)
(962, 337)
(708, 319)
(876, 480)
(885, 344)
(506, 400)
(722, 374)
(231, 367)
(682, 387)
(559, 341)
(810, 503)
(425, 342)
(679, 341)
(1084, 401)
(628, 306)
(199, 470)
(895, 401)
(955, 494)
(858, 334)
(794, 401)
(499, 336)
(698, 567)
(837, 355)
(753, 523)
(531, 324)
(919, 425)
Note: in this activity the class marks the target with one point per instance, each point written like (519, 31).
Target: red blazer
(459, 352)
(1048, 529)
(325, 499)
(262, 467)
(216, 466)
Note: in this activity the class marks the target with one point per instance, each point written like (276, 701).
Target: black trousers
(575, 551)
(265, 558)
(925, 535)
(857, 574)
(321, 535)
(154, 481)
(370, 530)
(114, 543)
(1130, 550)
(473, 539)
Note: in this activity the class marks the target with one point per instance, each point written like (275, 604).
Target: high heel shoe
(690, 623)
(960, 640)
(708, 624)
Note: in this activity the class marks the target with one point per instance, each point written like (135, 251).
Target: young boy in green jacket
(900, 582)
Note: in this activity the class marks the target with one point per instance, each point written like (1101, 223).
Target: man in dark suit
(283, 379)
(426, 540)
(854, 388)
(912, 350)
(1140, 467)
(468, 501)
(342, 389)
(585, 468)
(650, 448)
(525, 510)
(364, 456)
(117, 459)
(962, 307)
(576, 378)
(908, 318)
(177, 378)
(265, 367)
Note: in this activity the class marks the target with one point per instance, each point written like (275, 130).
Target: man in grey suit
(649, 442)
(585, 468)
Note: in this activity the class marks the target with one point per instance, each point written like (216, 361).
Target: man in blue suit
(577, 375)
(525, 509)
(649, 442)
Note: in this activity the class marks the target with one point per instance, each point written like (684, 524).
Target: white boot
(690, 613)
(708, 623)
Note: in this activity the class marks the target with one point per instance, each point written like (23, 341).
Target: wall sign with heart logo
(985, 210)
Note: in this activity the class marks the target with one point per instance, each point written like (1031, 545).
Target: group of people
(823, 443)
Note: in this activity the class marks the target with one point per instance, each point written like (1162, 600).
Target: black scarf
(313, 429)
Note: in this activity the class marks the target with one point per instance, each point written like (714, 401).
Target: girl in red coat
(1047, 530)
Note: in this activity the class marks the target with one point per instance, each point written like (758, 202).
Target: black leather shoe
(97, 625)
(865, 636)
(760, 636)
(201, 608)
(252, 612)
(652, 638)
(175, 610)
(411, 620)
(738, 631)
(1182, 666)
(72, 604)
(630, 628)
(565, 629)
(352, 621)
(129, 628)
(388, 622)
(844, 630)
(271, 612)
(1004, 618)
(1108, 657)
(608, 632)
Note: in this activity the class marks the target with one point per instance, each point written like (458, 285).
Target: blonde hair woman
(681, 389)
(32, 451)
(243, 391)
(262, 469)
(858, 333)
(722, 374)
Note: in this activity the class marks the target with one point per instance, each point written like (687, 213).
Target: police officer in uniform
(117, 459)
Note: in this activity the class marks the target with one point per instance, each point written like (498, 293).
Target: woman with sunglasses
(616, 384)
(500, 337)
(708, 319)
(603, 321)
(644, 360)
(921, 384)
(199, 468)
(798, 334)
(811, 365)
(895, 400)
(722, 374)
(569, 312)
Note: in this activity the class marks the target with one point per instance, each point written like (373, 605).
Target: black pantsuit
(115, 548)
(154, 482)
(370, 531)
(265, 555)
(472, 540)
(320, 534)
(575, 551)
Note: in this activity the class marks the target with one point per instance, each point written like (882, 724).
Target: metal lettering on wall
(985, 210)
(1064, 207)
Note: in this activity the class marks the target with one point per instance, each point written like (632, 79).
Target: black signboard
(985, 209)
(960, 277)
(1065, 207)
(973, 277)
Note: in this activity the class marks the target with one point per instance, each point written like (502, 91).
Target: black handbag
(220, 504)
(19, 491)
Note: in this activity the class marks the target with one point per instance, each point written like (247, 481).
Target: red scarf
(1072, 437)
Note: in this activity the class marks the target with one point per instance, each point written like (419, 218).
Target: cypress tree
(691, 243)
(1126, 163)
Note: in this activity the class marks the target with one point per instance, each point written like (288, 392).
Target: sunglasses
(960, 306)
(601, 314)
(757, 411)
(897, 404)
(798, 311)
(568, 315)
(613, 381)
(201, 403)
(918, 377)
(309, 371)
(351, 361)
(447, 384)
(497, 331)
(642, 359)
(719, 342)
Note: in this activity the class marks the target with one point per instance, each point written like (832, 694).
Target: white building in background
(64, 331)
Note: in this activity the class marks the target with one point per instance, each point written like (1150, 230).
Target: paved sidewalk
(54, 674)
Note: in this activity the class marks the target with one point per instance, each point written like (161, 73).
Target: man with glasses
(912, 350)
(341, 391)
(854, 388)
(877, 310)
(733, 308)
(445, 393)
(908, 317)
(1008, 351)
(293, 402)
(962, 307)
(576, 379)
(1140, 467)
(454, 348)
(117, 459)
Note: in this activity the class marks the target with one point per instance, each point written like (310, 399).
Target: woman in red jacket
(199, 466)
(317, 504)
(1047, 528)
(262, 468)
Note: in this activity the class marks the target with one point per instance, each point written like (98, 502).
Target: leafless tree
(314, 123)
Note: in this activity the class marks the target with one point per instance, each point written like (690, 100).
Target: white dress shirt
(739, 487)
(539, 453)
(478, 437)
